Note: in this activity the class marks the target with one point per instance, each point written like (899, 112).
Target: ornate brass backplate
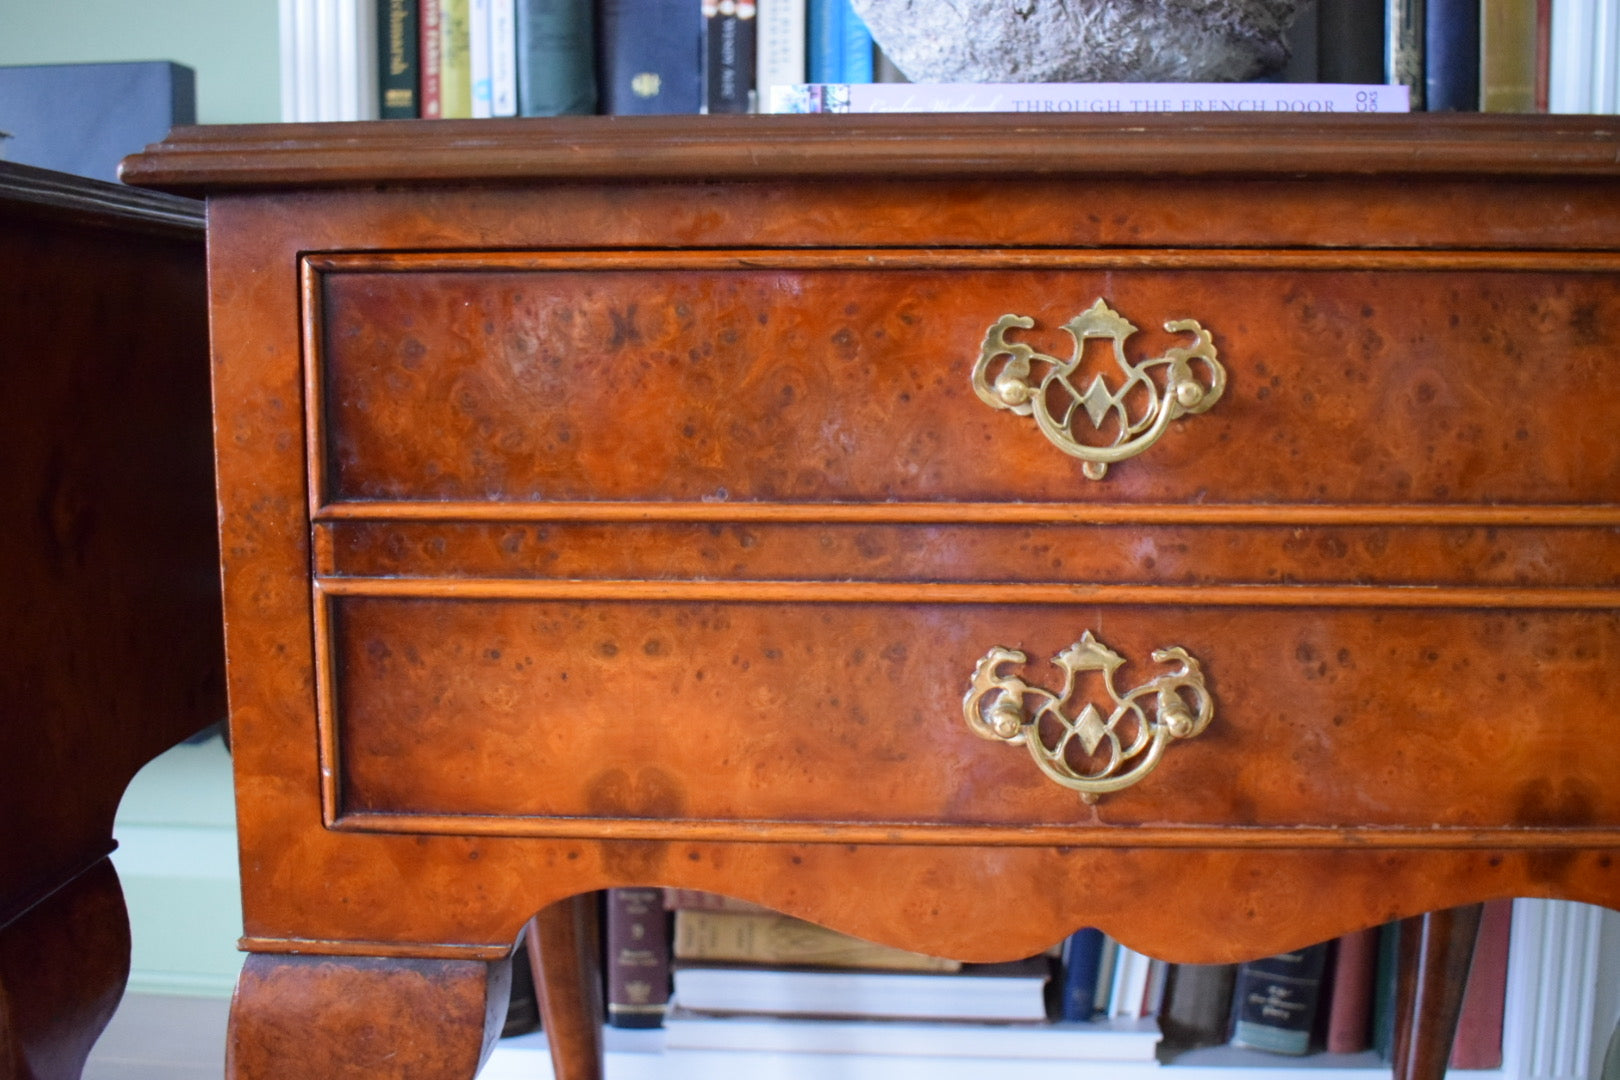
(1139, 408)
(1083, 750)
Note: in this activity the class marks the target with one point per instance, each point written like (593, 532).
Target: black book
(398, 60)
(650, 58)
(728, 55)
(1275, 1000)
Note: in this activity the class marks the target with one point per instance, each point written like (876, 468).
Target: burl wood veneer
(612, 502)
(108, 576)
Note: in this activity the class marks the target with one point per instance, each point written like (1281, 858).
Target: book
(1274, 1000)
(398, 68)
(1451, 55)
(478, 58)
(779, 34)
(1081, 959)
(556, 57)
(1088, 97)
(1131, 973)
(1350, 41)
(637, 968)
(1105, 976)
(770, 938)
(1403, 47)
(839, 44)
(455, 60)
(1478, 1043)
(650, 56)
(1015, 991)
(1349, 1029)
(1197, 1004)
(430, 56)
(1102, 1040)
(503, 87)
(698, 900)
(1509, 49)
(728, 55)
(1385, 973)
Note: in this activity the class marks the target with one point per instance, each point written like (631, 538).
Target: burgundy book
(1350, 1006)
(1479, 1028)
(637, 969)
(430, 60)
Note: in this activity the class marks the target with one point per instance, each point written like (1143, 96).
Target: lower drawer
(761, 720)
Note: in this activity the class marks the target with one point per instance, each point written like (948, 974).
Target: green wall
(233, 45)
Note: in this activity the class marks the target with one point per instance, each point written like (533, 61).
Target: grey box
(84, 118)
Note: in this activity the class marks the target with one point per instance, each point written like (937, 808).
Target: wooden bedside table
(108, 576)
(697, 502)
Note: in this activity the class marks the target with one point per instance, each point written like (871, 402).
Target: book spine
(1130, 984)
(1478, 1042)
(1275, 999)
(637, 969)
(770, 938)
(1403, 46)
(1508, 46)
(728, 69)
(698, 900)
(779, 60)
(556, 58)
(1385, 974)
(478, 58)
(1350, 41)
(651, 56)
(455, 70)
(398, 64)
(430, 57)
(1090, 97)
(1350, 1003)
(1197, 1004)
(1082, 958)
(855, 53)
(1451, 55)
(503, 88)
(825, 41)
(1105, 976)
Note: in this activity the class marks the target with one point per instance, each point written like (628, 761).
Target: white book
(1101, 1040)
(503, 83)
(978, 992)
(1292, 98)
(779, 51)
(1131, 972)
(478, 58)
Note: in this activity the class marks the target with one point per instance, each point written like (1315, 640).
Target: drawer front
(666, 718)
(848, 377)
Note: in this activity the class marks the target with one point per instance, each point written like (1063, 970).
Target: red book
(1350, 1009)
(1479, 1028)
(431, 60)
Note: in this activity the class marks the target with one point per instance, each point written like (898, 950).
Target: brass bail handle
(1005, 377)
(1083, 750)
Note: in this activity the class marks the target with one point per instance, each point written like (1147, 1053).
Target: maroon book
(637, 968)
(1350, 1010)
(1479, 1028)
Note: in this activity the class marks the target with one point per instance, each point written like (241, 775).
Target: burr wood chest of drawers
(699, 503)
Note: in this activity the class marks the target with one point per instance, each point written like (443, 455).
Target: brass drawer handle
(1058, 405)
(1089, 753)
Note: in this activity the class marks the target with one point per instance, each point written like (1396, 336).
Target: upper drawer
(848, 377)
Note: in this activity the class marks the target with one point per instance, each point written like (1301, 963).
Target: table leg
(565, 952)
(63, 966)
(1436, 951)
(364, 1018)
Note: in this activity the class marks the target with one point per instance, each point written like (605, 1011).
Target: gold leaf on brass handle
(1139, 408)
(1075, 745)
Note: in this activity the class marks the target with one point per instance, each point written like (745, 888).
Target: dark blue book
(650, 56)
(1082, 962)
(1451, 55)
(85, 118)
(556, 60)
